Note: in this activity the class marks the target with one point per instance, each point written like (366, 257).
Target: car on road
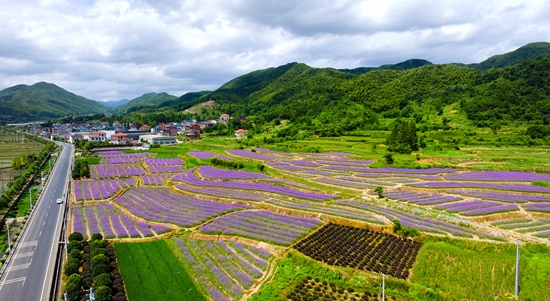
(59, 201)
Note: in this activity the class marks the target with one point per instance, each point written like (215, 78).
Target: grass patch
(152, 272)
(469, 270)
(90, 160)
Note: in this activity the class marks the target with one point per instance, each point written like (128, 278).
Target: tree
(76, 236)
(103, 293)
(97, 236)
(102, 280)
(74, 285)
(379, 191)
(72, 266)
(388, 158)
(403, 138)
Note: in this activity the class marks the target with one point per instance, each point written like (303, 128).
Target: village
(118, 133)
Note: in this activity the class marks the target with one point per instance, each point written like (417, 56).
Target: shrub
(99, 260)
(76, 236)
(97, 236)
(74, 286)
(102, 280)
(75, 245)
(103, 293)
(98, 251)
(72, 266)
(100, 269)
(75, 253)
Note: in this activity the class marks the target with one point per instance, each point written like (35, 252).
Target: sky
(109, 50)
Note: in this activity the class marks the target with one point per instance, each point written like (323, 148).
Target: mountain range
(291, 90)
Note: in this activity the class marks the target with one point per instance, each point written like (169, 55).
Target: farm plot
(539, 207)
(360, 248)
(154, 179)
(165, 165)
(151, 271)
(212, 172)
(99, 189)
(251, 155)
(516, 176)
(225, 270)
(112, 157)
(116, 170)
(202, 154)
(426, 224)
(311, 289)
(190, 179)
(161, 205)
(262, 225)
(488, 185)
(502, 196)
(420, 198)
(538, 228)
(477, 207)
(104, 218)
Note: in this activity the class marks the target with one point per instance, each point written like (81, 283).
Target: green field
(470, 270)
(152, 272)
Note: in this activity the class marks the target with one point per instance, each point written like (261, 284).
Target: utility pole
(517, 268)
(383, 286)
(9, 240)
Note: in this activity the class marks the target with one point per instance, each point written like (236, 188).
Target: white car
(59, 201)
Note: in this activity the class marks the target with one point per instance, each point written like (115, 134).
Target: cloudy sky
(113, 49)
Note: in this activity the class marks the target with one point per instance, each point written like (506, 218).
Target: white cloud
(113, 49)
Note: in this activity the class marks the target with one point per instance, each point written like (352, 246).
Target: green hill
(45, 101)
(149, 100)
(525, 53)
(408, 64)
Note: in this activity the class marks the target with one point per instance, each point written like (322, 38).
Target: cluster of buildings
(117, 133)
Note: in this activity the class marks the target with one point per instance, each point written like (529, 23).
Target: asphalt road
(29, 273)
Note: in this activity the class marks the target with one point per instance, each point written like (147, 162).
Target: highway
(29, 274)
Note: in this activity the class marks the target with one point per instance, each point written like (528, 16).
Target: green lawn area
(470, 270)
(152, 272)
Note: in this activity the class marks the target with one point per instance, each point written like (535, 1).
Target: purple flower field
(190, 179)
(226, 269)
(212, 172)
(202, 154)
(154, 179)
(477, 207)
(251, 155)
(517, 176)
(502, 196)
(164, 161)
(161, 205)
(506, 186)
(262, 225)
(113, 157)
(422, 223)
(116, 170)
(541, 207)
(421, 198)
(104, 218)
(99, 189)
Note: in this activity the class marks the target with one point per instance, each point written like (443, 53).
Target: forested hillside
(45, 101)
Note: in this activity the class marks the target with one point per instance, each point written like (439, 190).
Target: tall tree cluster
(403, 138)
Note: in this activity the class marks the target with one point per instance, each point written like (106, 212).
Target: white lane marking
(15, 280)
(32, 243)
(47, 214)
(26, 254)
(20, 266)
(40, 234)
(43, 223)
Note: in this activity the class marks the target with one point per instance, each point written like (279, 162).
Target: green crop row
(152, 272)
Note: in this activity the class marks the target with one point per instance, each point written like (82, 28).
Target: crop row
(262, 225)
(154, 179)
(422, 223)
(116, 170)
(477, 207)
(165, 168)
(225, 270)
(489, 185)
(491, 175)
(212, 172)
(161, 205)
(312, 289)
(164, 161)
(251, 155)
(421, 198)
(202, 154)
(502, 196)
(120, 157)
(189, 178)
(360, 248)
(99, 189)
(104, 218)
